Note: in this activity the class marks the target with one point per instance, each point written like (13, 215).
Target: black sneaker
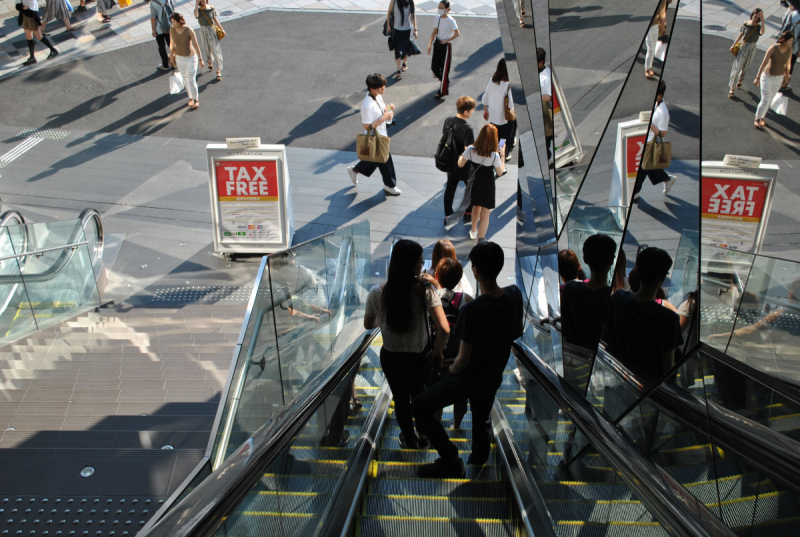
(80, 9)
(442, 469)
(29, 61)
(53, 54)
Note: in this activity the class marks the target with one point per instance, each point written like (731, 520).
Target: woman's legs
(651, 41)
(769, 87)
(483, 226)
(29, 35)
(477, 211)
(749, 52)
(66, 23)
(187, 65)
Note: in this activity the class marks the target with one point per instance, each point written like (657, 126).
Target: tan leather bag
(657, 154)
(510, 114)
(372, 147)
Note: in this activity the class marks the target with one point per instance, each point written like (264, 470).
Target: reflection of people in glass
(583, 303)
(546, 87)
(569, 267)
(748, 35)
(658, 127)
(773, 73)
(620, 280)
(641, 333)
(658, 26)
(772, 317)
(661, 296)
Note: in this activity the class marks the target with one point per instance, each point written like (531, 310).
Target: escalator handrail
(7, 217)
(85, 216)
(55, 269)
(202, 511)
(670, 503)
(773, 453)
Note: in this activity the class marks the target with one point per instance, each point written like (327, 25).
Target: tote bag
(657, 154)
(779, 104)
(175, 83)
(372, 147)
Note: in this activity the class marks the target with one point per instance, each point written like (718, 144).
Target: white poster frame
(573, 153)
(622, 185)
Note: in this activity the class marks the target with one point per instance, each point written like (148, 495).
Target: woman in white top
(487, 158)
(32, 24)
(399, 308)
(658, 127)
(444, 249)
(494, 105)
(445, 30)
(405, 20)
(374, 115)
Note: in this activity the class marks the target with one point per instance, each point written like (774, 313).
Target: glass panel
(48, 235)
(608, 392)
(294, 492)
(16, 317)
(60, 281)
(92, 235)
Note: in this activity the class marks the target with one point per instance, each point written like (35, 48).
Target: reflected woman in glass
(400, 307)
(658, 27)
(748, 35)
(773, 74)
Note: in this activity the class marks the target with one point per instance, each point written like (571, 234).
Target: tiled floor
(131, 25)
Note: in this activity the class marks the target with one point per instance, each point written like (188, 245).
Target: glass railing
(305, 314)
(750, 309)
(46, 275)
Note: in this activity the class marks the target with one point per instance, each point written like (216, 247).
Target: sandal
(437, 95)
(730, 95)
(196, 105)
(398, 75)
(757, 124)
(210, 67)
(405, 68)
(219, 77)
(739, 85)
(105, 20)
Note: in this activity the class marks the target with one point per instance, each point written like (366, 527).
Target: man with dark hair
(569, 266)
(640, 332)
(486, 326)
(464, 137)
(546, 86)
(659, 124)
(584, 303)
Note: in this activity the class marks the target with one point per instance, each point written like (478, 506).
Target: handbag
(219, 30)
(388, 30)
(509, 114)
(372, 147)
(738, 44)
(657, 154)
(175, 83)
(431, 370)
(779, 104)
(124, 3)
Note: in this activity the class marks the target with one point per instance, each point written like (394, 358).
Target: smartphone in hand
(502, 143)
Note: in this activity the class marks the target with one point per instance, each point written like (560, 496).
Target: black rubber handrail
(201, 512)
(678, 511)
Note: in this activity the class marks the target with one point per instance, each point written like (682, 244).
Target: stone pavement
(131, 25)
(724, 18)
(155, 191)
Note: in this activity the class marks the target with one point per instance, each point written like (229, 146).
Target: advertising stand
(251, 202)
(735, 202)
(631, 137)
(567, 146)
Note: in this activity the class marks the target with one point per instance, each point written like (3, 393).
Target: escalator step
(464, 433)
(273, 523)
(583, 491)
(370, 526)
(598, 511)
(408, 470)
(312, 453)
(417, 456)
(438, 507)
(773, 528)
(578, 528)
(295, 483)
(452, 488)
(768, 506)
(284, 502)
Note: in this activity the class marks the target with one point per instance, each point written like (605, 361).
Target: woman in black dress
(487, 158)
(402, 23)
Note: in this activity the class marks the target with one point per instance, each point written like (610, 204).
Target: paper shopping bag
(657, 155)
(779, 104)
(372, 147)
(124, 3)
(661, 50)
(175, 83)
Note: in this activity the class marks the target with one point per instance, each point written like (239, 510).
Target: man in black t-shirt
(464, 136)
(487, 326)
(640, 332)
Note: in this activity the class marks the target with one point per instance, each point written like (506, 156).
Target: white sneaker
(669, 184)
(353, 174)
(636, 196)
(473, 234)
(392, 190)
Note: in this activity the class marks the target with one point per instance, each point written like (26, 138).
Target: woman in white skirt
(185, 55)
(773, 74)
(748, 35)
(207, 35)
(57, 9)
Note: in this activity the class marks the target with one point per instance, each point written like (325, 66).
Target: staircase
(103, 416)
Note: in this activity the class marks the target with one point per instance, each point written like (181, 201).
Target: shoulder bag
(657, 154)
(738, 44)
(510, 114)
(431, 369)
(220, 31)
(372, 147)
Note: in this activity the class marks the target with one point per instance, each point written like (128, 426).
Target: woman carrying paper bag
(773, 74)
(655, 151)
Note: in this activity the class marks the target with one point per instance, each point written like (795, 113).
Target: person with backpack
(457, 135)
(448, 274)
(160, 12)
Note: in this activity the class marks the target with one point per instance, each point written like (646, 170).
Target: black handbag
(388, 30)
(431, 370)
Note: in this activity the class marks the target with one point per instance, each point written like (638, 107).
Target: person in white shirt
(658, 127)
(445, 30)
(494, 104)
(32, 24)
(486, 155)
(374, 115)
(546, 88)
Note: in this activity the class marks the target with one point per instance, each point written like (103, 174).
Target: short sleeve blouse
(493, 160)
(417, 337)
(372, 109)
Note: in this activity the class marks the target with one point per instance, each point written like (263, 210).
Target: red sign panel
(634, 149)
(733, 199)
(247, 180)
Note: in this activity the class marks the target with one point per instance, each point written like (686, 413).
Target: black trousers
(656, 177)
(449, 391)
(507, 132)
(403, 372)
(163, 46)
(440, 65)
(387, 170)
(453, 178)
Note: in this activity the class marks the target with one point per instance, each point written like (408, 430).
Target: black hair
(501, 73)
(599, 251)
(446, 3)
(402, 284)
(488, 259)
(375, 81)
(541, 55)
(653, 265)
(662, 87)
(449, 272)
(568, 265)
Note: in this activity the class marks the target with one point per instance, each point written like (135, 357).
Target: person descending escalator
(487, 326)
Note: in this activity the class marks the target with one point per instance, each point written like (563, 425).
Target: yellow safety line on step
(610, 523)
(438, 480)
(598, 502)
(284, 493)
(711, 481)
(435, 498)
(751, 498)
(438, 519)
(278, 513)
(688, 448)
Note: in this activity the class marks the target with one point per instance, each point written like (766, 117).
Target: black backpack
(446, 155)
(451, 309)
